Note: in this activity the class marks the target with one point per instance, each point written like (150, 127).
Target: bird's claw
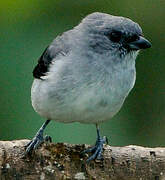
(97, 149)
(36, 142)
(47, 138)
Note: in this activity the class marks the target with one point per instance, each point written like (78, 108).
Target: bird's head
(106, 33)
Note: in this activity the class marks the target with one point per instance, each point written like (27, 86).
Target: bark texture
(64, 161)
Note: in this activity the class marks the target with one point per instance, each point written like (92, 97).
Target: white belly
(90, 103)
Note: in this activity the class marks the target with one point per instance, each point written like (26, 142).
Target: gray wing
(57, 47)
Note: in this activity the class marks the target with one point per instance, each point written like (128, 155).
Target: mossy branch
(64, 161)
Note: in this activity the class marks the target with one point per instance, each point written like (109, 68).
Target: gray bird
(85, 74)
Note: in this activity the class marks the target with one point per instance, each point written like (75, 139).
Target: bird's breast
(88, 96)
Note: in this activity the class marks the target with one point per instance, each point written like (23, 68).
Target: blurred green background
(27, 27)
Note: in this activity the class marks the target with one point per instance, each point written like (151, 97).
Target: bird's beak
(141, 43)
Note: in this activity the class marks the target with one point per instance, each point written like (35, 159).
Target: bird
(86, 73)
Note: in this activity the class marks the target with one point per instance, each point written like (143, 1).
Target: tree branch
(64, 161)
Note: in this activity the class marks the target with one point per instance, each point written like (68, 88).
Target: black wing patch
(58, 47)
(43, 64)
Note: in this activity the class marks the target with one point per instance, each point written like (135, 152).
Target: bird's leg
(98, 148)
(38, 138)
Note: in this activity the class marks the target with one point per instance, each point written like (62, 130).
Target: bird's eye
(115, 36)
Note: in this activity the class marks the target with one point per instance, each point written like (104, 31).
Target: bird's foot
(97, 149)
(37, 141)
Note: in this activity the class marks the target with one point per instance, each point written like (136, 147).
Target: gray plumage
(89, 76)
(85, 74)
